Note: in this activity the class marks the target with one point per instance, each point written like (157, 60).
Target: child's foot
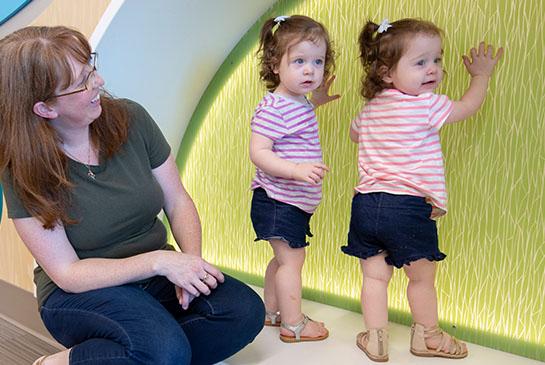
(374, 343)
(434, 341)
(306, 330)
(273, 319)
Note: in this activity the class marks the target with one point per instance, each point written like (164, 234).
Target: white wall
(164, 53)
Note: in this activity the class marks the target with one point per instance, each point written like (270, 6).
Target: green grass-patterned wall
(491, 286)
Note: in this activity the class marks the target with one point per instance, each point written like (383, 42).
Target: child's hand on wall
(482, 62)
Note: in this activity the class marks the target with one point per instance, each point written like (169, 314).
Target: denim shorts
(399, 225)
(273, 219)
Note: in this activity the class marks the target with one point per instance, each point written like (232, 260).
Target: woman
(85, 176)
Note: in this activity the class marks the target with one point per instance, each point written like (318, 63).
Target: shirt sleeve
(440, 108)
(157, 146)
(14, 205)
(355, 124)
(269, 122)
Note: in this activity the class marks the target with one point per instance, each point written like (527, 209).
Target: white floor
(340, 348)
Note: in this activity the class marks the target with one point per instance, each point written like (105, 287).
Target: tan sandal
(271, 319)
(377, 345)
(297, 331)
(419, 334)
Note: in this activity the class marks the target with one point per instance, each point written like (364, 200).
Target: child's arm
(353, 134)
(320, 96)
(480, 67)
(263, 157)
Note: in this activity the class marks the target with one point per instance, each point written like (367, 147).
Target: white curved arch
(163, 54)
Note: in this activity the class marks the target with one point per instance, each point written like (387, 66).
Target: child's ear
(275, 65)
(384, 72)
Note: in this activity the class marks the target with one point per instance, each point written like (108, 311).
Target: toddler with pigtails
(296, 59)
(401, 188)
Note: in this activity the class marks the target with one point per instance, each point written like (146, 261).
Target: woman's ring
(206, 276)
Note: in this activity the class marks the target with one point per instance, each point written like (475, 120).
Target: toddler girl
(295, 53)
(401, 188)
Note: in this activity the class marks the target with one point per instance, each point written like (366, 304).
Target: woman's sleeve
(157, 146)
(13, 203)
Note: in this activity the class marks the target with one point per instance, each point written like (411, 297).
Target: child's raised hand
(320, 96)
(310, 172)
(482, 62)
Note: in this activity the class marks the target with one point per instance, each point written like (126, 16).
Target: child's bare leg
(421, 292)
(288, 286)
(423, 297)
(271, 305)
(374, 291)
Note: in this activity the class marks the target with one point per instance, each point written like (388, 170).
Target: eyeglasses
(89, 81)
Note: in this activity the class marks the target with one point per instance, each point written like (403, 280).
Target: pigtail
(266, 54)
(374, 69)
(368, 43)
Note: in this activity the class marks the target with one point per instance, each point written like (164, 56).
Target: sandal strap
(298, 328)
(446, 340)
(433, 331)
(446, 344)
(272, 316)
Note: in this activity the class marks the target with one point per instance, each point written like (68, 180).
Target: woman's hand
(184, 298)
(192, 274)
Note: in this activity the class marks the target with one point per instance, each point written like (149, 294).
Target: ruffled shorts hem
(291, 243)
(433, 257)
(365, 255)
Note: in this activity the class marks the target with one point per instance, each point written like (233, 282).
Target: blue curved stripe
(8, 8)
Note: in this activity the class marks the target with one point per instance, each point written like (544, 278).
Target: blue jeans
(144, 324)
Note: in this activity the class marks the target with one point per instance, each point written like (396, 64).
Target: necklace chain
(88, 164)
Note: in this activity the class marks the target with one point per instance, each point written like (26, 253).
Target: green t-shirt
(118, 209)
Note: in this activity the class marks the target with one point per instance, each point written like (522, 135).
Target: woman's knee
(171, 346)
(118, 323)
(247, 309)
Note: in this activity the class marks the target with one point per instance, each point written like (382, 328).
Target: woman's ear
(45, 111)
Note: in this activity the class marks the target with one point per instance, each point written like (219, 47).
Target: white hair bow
(281, 18)
(384, 25)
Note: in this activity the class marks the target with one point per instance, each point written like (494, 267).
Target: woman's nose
(99, 81)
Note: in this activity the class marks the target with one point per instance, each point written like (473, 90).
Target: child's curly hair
(380, 52)
(275, 39)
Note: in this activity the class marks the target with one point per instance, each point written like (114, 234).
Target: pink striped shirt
(399, 151)
(293, 127)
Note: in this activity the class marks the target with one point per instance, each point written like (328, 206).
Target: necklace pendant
(91, 175)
